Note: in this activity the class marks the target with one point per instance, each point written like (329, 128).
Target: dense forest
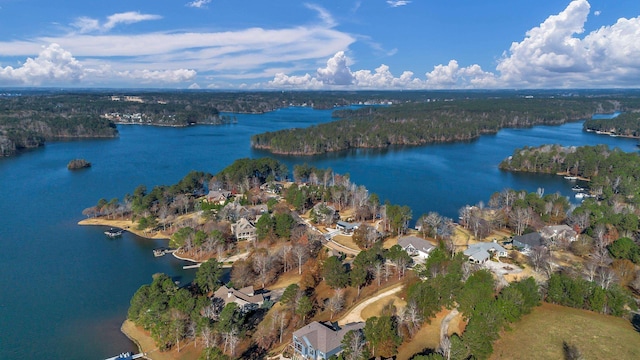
(613, 173)
(428, 122)
(627, 124)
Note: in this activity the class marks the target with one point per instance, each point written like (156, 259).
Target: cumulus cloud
(597, 13)
(551, 55)
(336, 72)
(53, 64)
(57, 66)
(86, 24)
(397, 3)
(198, 3)
(453, 76)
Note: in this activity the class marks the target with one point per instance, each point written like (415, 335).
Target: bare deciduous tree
(336, 302)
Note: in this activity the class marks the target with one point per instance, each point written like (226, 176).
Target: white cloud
(397, 3)
(382, 78)
(453, 76)
(552, 55)
(159, 76)
(57, 66)
(597, 13)
(198, 3)
(336, 72)
(86, 24)
(324, 15)
(53, 64)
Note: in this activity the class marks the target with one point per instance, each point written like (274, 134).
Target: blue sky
(332, 44)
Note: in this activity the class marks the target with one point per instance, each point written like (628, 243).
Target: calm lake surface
(65, 289)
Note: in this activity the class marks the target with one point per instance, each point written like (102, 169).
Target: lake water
(65, 289)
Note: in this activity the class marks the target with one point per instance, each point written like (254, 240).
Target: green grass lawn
(540, 335)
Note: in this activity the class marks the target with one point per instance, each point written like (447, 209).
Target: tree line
(425, 122)
(626, 124)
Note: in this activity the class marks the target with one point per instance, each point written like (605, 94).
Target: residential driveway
(501, 269)
(355, 314)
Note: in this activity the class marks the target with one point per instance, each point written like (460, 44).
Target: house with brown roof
(321, 340)
(218, 196)
(245, 298)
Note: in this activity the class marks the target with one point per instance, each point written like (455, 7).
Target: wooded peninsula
(627, 125)
(430, 122)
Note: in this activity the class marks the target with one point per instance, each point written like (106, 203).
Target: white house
(416, 247)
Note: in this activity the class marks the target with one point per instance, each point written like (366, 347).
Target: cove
(65, 289)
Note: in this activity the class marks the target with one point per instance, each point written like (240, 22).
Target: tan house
(218, 196)
(244, 230)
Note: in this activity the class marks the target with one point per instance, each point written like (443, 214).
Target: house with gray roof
(481, 252)
(321, 340)
(347, 228)
(246, 298)
(558, 233)
(528, 241)
(416, 247)
(244, 230)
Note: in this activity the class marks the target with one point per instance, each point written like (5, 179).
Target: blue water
(65, 289)
(606, 116)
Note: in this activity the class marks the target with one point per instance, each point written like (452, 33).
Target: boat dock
(163, 251)
(112, 233)
(126, 356)
(192, 266)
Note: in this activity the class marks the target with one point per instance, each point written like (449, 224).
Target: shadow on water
(635, 321)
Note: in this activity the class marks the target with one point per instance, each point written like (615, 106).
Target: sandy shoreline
(147, 345)
(127, 225)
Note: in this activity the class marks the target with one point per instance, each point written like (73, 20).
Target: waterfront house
(321, 340)
(558, 234)
(243, 230)
(246, 298)
(481, 252)
(528, 241)
(218, 196)
(416, 247)
(347, 228)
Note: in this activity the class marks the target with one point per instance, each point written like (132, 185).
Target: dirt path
(444, 326)
(355, 314)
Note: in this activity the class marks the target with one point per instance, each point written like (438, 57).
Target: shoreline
(123, 224)
(564, 173)
(125, 329)
(147, 346)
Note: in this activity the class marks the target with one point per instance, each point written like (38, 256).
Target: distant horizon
(165, 89)
(343, 46)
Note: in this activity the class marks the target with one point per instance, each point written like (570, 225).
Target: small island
(77, 164)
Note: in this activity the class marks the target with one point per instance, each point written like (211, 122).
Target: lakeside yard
(540, 335)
